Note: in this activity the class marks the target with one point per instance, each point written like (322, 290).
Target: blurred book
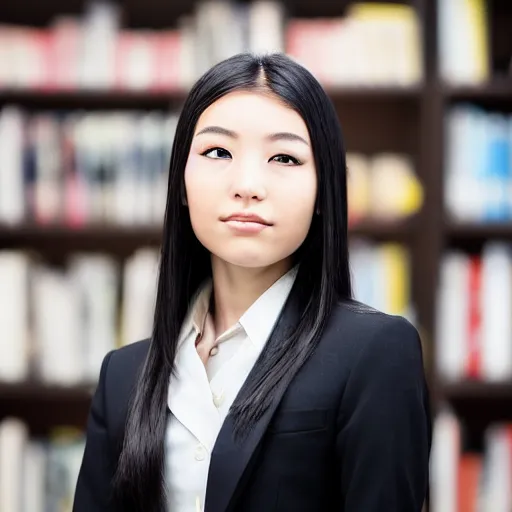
(463, 41)
(59, 322)
(478, 165)
(382, 187)
(377, 44)
(465, 480)
(84, 168)
(38, 474)
(94, 52)
(381, 276)
(374, 44)
(473, 321)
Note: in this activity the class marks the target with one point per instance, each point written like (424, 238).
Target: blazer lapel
(230, 458)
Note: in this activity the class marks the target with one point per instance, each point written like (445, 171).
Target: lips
(247, 217)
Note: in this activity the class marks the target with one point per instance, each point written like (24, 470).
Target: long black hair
(323, 277)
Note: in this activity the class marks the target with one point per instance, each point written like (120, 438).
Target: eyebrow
(293, 137)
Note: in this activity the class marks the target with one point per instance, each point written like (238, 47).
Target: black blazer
(351, 432)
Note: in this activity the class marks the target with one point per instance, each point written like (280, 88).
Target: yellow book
(379, 10)
(397, 276)
(476, 11)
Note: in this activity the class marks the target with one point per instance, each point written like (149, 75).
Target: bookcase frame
(373, 119)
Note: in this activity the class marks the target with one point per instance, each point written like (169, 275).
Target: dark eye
(217, 153)
(285, 160)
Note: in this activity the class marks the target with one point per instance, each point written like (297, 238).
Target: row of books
(383, 186)
(77, 169)
(381, 274)
(81, 168)
(38, 474)
(376, 44)
(478, 165)
(58, 323)
(474, 314)
(468, 481)
(99, 304)
(464, 41)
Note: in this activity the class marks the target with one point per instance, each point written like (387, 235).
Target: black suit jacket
(351, 432)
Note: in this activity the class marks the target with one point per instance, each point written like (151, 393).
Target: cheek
(202, 194)
(297, 201)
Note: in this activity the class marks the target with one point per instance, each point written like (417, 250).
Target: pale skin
(250, 154)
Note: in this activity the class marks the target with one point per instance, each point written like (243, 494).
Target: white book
(96, 281)
(49, 169)
(497, 491)
(57, 327)
(139, 295)
(34, 475)
(496, 304)
(149, 129)
(188, 47)
(266, 22)
(444, 460)
(13, 437)
(452, 310)
(98, 45)
(14, 316)
(12, 199)
(125, 165)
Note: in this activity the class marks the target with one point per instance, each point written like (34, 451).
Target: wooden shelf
(90, 99)
(40, 392)
(497, 89)
(481, 231)
(63, 239)
(107, 99)
(399, 229)
(44, 407)
(477, 391)
(121, 239)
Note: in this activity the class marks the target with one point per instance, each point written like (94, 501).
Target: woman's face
(250, 180)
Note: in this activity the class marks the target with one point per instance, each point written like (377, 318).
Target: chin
(246, 259)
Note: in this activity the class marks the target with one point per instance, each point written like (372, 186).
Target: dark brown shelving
(41, 392)
(479, 231)
(371, 228)
(91, 99)
(43, 406)
(477, 390)
(498, 89)
(115, 99)
(59, 239)
(110, 236)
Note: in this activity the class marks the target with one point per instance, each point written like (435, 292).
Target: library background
(89, 97)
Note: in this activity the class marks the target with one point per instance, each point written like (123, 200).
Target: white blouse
(200, 396)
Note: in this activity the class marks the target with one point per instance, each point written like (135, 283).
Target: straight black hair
(323, 277)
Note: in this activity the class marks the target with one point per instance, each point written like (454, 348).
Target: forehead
(244, 111)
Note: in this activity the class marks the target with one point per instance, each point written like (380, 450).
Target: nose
(248, 182)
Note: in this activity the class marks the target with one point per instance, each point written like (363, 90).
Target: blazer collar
(230, 458)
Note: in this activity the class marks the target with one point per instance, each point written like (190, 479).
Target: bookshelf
(379, 118)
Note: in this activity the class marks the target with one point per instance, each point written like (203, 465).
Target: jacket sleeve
(384, 424)
(96, 471)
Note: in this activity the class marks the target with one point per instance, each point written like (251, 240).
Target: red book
(168, 61)
(470, 468)
(473, 364)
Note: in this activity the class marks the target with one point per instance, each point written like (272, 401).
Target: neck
(236, 288)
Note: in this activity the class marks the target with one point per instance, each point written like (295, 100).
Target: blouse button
(200, 453)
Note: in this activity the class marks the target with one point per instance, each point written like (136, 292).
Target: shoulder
(378, 339)
(121, 366)
(131, 354)
(118, 378)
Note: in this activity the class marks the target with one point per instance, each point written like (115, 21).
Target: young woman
(264, 387)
